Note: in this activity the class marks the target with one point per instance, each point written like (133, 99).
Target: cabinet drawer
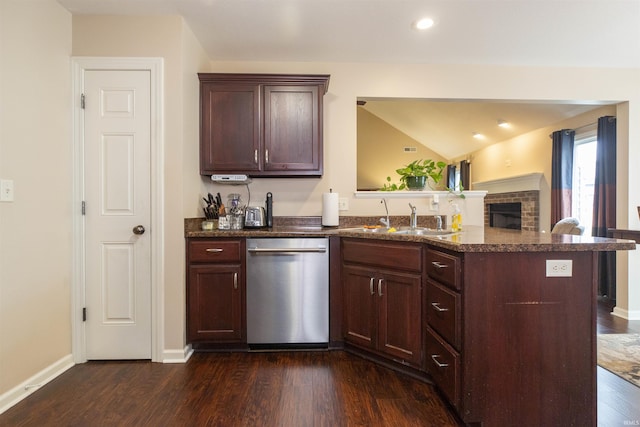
(444, 268)
(443, 312)
(383, 254)
(215, 251)
(443, 364)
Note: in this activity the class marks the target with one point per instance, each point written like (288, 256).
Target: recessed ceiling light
(477, 135)
(503, 123)
(423, 24)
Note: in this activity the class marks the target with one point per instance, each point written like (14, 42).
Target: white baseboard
(177, 356)
(626, 314)
(21, 391)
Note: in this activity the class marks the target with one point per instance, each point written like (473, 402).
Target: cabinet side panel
(528, 341)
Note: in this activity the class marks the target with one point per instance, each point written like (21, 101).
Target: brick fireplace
(529, 210)
(524, 189)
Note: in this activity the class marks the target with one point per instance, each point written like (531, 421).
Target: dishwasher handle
(319, 249)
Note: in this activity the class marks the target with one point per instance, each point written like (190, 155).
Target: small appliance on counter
(255, 217)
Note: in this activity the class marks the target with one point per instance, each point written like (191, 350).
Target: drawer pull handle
(379, 287)
(439, 265)
(371, 285)
(216, 250)
(436, 306)
(434, 357)
(235, 280)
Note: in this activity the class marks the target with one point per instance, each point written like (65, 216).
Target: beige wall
(381, 151)
(526, 154)
(35, 152)
(167, 37)
(352, 80)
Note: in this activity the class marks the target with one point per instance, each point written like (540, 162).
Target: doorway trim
(156, 68)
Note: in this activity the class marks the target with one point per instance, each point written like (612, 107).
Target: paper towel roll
(330, 214)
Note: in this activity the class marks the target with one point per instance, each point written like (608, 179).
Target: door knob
(138, 229)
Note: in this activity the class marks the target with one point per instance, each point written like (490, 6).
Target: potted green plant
(416, 174)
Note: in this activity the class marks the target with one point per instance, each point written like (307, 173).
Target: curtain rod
(583, 126)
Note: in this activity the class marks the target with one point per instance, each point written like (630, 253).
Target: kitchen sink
(418, 231)
(423, 231)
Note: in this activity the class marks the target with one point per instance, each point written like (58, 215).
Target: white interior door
(117, 214)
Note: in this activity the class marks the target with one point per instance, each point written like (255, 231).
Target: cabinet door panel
(359, 315)
(230, 128)
(400, 316)
(292, 132)
(215, 303)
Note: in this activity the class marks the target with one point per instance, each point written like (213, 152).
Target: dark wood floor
(269, 389)
(618, 400)
(234, 389)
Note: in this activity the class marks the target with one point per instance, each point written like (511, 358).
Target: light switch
(6, 190)
(343, 204)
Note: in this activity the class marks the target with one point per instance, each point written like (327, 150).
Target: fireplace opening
(506, 215)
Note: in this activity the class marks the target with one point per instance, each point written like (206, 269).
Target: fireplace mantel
(527, 182)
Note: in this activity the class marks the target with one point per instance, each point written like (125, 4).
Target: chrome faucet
(438, 223)
(386, 222)
(413, 219)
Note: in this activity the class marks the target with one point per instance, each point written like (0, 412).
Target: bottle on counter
(456, 218)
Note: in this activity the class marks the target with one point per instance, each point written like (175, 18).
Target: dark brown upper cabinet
(261, 124)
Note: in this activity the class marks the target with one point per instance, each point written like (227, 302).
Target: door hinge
(84, 208)
(82, 101)
(84, 314)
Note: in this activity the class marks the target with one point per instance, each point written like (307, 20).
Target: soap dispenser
(456, 218)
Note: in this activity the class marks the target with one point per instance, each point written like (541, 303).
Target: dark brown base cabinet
(508, 345)
(382, 285)
(216, 292)
(505, 344)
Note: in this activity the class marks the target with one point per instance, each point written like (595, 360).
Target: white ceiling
(582, 33)
(534, 32)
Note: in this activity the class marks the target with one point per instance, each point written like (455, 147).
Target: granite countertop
(471, 239)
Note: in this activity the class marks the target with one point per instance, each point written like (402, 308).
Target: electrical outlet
(343, 204)
(434, 205)
(559, 268)
(6, 190)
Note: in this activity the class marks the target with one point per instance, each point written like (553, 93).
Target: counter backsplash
(345, 221)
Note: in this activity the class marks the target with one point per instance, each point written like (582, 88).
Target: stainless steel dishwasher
(287, 293)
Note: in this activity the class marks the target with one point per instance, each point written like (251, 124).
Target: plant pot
(416, 182)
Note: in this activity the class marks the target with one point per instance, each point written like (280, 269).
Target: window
(584, 175)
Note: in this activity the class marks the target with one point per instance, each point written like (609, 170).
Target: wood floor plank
(314, 389)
